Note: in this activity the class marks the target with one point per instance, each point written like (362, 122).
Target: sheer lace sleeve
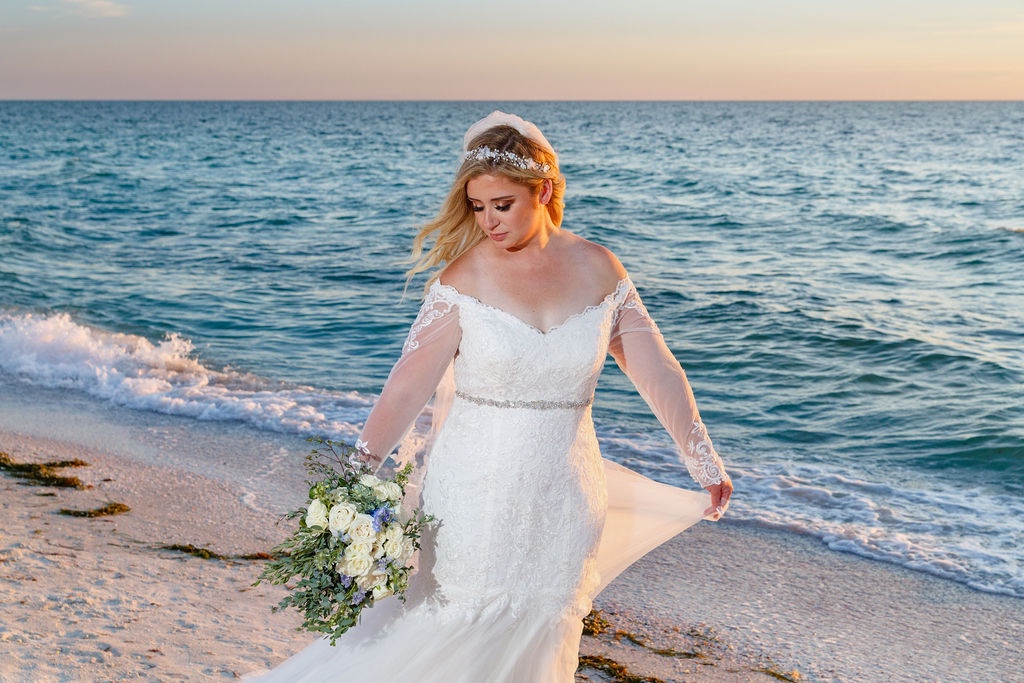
(640, 350)
(428, 350)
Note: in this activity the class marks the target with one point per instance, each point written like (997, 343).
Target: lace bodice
(509, 359)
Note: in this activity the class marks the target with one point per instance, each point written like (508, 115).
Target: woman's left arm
(639, 349)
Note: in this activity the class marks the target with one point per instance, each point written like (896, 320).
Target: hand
(720, 494)
(363, 455)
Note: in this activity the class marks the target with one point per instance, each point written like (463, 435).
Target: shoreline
(103, 602)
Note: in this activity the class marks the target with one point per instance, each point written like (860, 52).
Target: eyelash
(498, 207)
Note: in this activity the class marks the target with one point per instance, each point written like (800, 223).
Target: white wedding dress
(532, 522)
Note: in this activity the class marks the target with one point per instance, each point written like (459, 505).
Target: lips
(498, 237)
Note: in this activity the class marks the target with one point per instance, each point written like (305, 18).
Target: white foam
(129, 370)
(956, 532)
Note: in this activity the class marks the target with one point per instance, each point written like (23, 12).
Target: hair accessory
(500, 118)
(484, 153)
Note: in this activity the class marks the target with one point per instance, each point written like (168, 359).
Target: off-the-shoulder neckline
(621, 288)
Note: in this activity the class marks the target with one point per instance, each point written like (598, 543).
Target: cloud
(99, 8)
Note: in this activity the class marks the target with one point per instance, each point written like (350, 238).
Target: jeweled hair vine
(486, 153)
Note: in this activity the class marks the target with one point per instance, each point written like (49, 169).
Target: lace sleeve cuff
(702, 462)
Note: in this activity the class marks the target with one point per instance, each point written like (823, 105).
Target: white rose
(381, 592)
(340, 517)
(356, 566)
(393, 548)
(388, 490)
(361, 529)
(371, 580)
(400, 550)
(369, 480)
(361, 549)
(378, 548)
(316, 514)
(394, 532)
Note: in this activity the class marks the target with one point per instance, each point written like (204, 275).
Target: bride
(510, 340)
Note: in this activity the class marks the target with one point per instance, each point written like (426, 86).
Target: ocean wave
(166, 376)
(966, 534)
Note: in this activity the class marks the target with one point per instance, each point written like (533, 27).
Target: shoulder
(462, 273)
(603, 265)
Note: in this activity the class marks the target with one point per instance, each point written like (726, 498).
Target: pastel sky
(523, 50)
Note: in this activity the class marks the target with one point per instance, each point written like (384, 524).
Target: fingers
(720, 494)
(725, 494)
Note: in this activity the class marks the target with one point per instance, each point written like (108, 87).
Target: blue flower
(382, 516)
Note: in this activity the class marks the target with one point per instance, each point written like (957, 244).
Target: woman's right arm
(431, 345)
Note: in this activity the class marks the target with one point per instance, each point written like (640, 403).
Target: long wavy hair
(454, 230)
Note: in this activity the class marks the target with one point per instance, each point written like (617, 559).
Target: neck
(540, 240)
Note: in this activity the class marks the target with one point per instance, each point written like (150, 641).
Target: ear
(547, 188)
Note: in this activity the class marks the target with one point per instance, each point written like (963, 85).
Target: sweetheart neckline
(620, 286)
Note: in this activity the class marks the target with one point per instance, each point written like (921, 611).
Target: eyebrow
(493, 199)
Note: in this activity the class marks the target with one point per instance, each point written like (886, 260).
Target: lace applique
(702, 462)
(642, 319)
(435, 306)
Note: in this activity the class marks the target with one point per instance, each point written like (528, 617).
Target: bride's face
(510, 214)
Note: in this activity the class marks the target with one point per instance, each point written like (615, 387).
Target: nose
(489, 219)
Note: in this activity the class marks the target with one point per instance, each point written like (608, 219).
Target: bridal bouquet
(353, 543)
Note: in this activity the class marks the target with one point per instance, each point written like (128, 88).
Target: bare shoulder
(462, 273)
(601, 262)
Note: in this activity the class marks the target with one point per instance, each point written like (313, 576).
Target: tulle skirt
(504, 638)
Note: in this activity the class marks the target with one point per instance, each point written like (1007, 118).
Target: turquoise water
(840, 280)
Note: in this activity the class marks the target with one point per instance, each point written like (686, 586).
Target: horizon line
(538, 100)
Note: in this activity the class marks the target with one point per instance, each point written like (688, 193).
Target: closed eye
(497, 207)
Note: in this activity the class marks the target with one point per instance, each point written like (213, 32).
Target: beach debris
(776, 672)
(618, 672)
(105, 511)
(207, 554)
(43, 474)
(595, 623)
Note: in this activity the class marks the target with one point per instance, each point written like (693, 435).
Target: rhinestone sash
(536, 405)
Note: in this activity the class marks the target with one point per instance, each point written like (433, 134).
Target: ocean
(842, 282)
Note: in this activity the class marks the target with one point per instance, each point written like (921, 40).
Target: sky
(523, 50)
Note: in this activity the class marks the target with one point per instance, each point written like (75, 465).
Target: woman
(532, 521)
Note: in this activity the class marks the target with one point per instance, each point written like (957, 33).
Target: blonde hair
(454, 228)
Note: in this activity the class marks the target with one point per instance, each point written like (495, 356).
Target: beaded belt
(539, 405)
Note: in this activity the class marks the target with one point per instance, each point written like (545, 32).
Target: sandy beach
(102, 599)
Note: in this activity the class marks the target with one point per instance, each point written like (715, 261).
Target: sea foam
(166, 376)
